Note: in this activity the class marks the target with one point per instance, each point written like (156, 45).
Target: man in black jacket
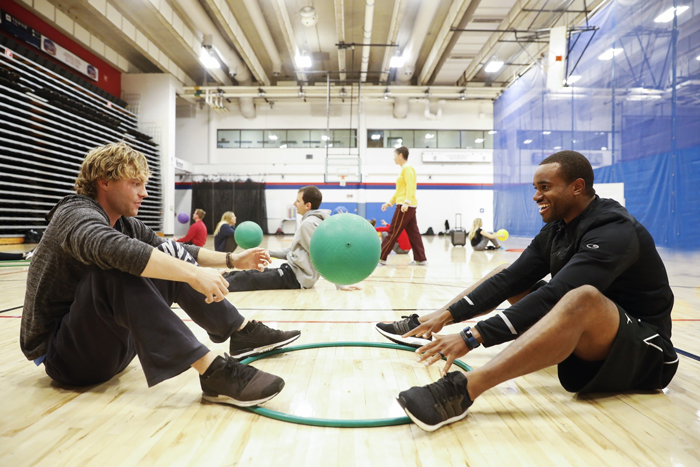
(604, 318)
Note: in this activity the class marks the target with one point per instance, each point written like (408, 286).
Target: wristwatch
(469, 338)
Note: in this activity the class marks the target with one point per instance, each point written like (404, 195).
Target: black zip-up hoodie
(604, 247)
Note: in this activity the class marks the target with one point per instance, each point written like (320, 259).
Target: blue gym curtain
(635, 116)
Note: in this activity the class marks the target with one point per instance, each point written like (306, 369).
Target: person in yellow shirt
(405, 212)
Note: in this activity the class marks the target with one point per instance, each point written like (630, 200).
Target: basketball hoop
(342, 180)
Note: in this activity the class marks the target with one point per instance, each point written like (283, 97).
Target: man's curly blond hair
(116, 161)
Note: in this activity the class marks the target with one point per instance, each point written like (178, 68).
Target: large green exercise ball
(248, 234)
(345, 249)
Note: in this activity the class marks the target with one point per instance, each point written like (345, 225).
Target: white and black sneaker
(440, 403)
(394, 331)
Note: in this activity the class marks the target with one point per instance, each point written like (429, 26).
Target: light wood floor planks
(526, 421)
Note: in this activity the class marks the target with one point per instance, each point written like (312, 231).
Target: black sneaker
(257, 338)
(437, 404)
(394, 331)
(228, 382)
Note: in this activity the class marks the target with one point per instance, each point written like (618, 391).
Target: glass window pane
(228, 138)
(340, 139)
(472, 139)
(251, 138)
(274, 138)
(297, 139)
(448, 139)
(375, 139)
(318, 138)
(426, 138)
(398, 138)
(488, 139)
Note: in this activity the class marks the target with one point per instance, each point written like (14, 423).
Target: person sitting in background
(197, 235)
(479, 238)
(223, 234)
(403, 244)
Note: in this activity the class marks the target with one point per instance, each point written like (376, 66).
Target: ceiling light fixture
(610, 53)
(206, 56)
(387, 93)
(667, 15)
(303, 60)
(397, 61)
(493, 66)
(462, 95)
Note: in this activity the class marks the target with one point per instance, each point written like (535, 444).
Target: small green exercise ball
(248, 234)
(345, 249)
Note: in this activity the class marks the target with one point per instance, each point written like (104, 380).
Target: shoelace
(403, 326)
(448, 397)
(238, 373)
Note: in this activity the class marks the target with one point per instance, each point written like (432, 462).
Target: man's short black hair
(403, 150)
(573, 165)
(311, 194)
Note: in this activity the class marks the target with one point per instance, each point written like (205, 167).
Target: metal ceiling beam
(224, 16)
(508, 23)
(339, 6)
(460, 11)
(396, 20)
(288, 34)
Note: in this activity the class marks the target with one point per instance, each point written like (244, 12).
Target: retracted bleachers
(47, 125)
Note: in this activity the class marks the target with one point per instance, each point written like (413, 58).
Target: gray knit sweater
(79, 236)
(297, 255)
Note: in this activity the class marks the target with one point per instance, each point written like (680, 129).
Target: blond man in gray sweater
(101, 284)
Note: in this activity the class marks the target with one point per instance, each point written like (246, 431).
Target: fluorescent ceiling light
(697, 58)
(527, 141)
(479, 140)
(667, 15)
(303, 61)
(493, 132)
(283, 146)
(493, 66)
(557, 147)
(545, 132)
(273, 137)
(396, 62)
(603, 148)
(207, 60)
(572, 79)
(610, 53)
(325, 137)
(376, 136)
(429, 135)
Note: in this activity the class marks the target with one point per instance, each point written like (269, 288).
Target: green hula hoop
(370, 423)
(14, 263)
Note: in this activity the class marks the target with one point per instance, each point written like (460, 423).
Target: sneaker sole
(247, 353)
(424, 426)
(222, 399)
(415, 342)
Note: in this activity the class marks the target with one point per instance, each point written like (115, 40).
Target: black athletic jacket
(604, 247)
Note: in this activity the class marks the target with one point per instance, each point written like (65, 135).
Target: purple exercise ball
(183, 218)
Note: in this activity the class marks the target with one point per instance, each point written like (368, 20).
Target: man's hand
(254, 258)
(210, 283)
(451, 346)
(430, 327)
(404, 207)
(385, 206)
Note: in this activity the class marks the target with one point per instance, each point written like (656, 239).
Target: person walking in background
(405, 213)
(480, 238)
(197, 235)
(223, 234)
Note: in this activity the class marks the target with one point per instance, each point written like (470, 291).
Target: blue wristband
(469, 338)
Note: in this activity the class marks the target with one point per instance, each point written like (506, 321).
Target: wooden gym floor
(526, 421)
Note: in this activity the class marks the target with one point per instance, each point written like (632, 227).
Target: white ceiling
(166, 36)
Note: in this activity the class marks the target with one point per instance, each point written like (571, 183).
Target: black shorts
(640, 359)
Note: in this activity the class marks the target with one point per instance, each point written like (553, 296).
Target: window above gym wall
(431, 139)
(285, 139)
